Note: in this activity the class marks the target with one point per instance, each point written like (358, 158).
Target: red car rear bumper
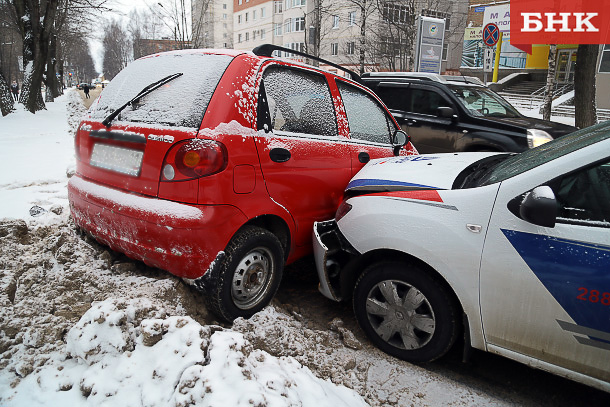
(181, 238)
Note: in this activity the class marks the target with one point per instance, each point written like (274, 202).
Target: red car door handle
(279, 155)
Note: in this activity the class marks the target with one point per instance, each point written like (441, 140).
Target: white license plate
(117, 159)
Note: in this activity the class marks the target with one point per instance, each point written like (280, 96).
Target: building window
(224, 25)
(224, 16)
(247, 15)
(224, 6)
(335, 22)
(334, 48)
(239, 2)
(277, 7)
(239, 19)
(262, 34)
(299, 24)
(351, 48)
(394, 13)
(391, 46)
(288, 26)
(351, 17)
(239, 38)
(263, 9)
(247, 36)
(298, 3)
(224, 35)
(445, 51)
(253, 15)
(278, 30)
(297, 46)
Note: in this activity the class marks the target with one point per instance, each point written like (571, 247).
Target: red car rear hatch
(129, 151)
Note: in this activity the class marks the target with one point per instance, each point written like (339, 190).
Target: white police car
(511, 250)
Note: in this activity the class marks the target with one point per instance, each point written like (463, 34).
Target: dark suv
(456, 113)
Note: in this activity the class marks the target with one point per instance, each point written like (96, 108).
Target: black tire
(249, 275)
(417, 333)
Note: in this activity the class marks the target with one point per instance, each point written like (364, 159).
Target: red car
(214, 164)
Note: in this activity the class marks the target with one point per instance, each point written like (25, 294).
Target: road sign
(491, 34)
(488, 60)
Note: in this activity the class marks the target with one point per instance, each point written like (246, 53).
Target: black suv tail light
(192, 159)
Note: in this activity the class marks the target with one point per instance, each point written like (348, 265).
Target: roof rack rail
(266, 50)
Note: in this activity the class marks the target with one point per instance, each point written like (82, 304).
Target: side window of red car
(295, 101)
(367, 120)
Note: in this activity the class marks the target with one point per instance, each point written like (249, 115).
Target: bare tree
(547, 103)
(395, 33)
(176, 16)
(40, 23)
(6, 99)
(584, 85)
(143, 25)
(202, 15)
(36, 21)
(117, 51)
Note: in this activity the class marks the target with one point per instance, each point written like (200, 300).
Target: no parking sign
(491, 34)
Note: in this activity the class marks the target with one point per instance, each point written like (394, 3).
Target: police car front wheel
(405, 312)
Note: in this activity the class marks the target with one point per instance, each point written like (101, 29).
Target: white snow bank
(115, 357)
(35, 152)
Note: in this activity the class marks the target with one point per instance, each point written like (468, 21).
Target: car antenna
(266, 50)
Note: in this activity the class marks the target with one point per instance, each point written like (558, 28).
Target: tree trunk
(36, 25)
(6, 99)
(550, 84)
(51, 74)
(363, 8)
(584, 85)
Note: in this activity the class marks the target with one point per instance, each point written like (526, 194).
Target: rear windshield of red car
(180, 102)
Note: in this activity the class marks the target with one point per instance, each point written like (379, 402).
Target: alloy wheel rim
(251, 278)
(400, 314)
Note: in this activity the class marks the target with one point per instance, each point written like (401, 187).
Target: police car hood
(418, 172)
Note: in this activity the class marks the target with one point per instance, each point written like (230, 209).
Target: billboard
(429, 44)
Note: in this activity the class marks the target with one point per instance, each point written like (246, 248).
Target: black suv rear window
(181, 102)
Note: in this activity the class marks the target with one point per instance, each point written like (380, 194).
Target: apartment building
(212, 23)
(332, 29)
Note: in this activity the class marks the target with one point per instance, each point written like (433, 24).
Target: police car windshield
(520, 163)
(480, 101)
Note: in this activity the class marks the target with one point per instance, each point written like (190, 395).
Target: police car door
(545, 291)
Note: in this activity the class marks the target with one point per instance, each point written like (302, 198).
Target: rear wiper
(139, 96)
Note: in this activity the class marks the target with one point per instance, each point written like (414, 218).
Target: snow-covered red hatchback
(214, 164)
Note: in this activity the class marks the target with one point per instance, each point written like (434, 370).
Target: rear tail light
(344, 208)
(192, 159)
(80, 134)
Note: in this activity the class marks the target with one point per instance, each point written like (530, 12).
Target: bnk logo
(567, 22)
(559, 22)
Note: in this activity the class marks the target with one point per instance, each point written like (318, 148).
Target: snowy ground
(82, 325)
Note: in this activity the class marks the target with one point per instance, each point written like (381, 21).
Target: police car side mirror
(539, 207)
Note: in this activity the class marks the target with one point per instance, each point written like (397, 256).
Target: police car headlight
(537, 137)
